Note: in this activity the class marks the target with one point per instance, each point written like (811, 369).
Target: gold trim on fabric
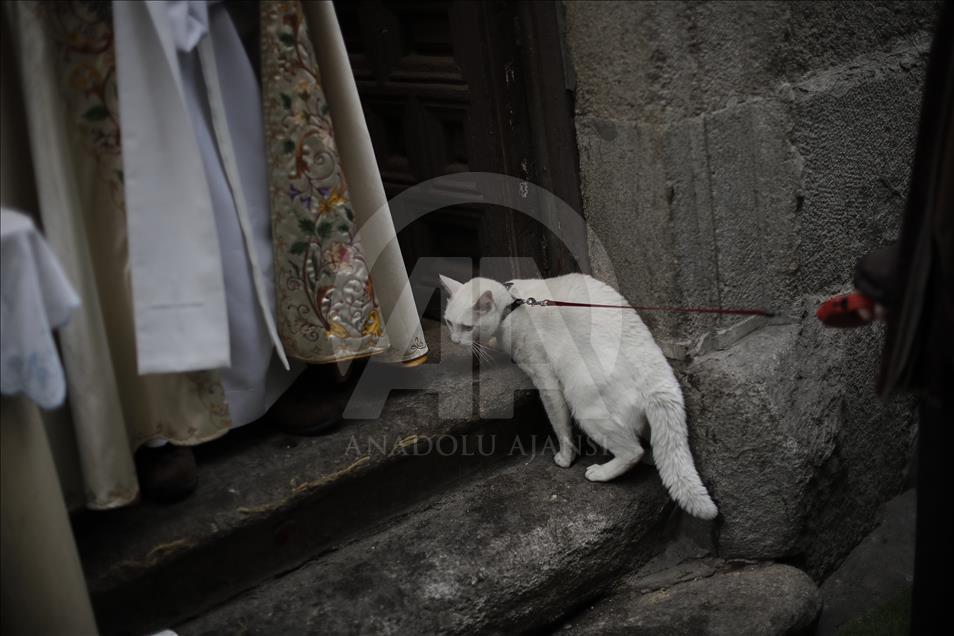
(416, 362)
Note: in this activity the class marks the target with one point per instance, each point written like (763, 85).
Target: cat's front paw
(564, 459)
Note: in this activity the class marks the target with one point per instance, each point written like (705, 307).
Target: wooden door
(466, 86)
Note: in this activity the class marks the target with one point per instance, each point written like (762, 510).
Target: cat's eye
(452, 326)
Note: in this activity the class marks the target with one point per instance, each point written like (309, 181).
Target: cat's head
(474, 309)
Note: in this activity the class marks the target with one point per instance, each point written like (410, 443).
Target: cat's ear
(450, 285)
(485, 303)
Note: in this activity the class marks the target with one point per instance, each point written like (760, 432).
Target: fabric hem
(183, 442)
(113, 504)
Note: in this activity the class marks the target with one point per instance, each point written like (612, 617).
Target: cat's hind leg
(626, 450)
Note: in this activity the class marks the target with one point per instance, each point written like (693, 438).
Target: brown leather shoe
(166, 473)
(314, 403)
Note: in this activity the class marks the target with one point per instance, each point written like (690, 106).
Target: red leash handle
(686, 310)
(846, 311)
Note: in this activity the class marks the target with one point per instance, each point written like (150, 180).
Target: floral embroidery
(326, 301)
(83, 34)
(417, 348)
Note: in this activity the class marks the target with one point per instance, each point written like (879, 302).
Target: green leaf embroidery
(286, 101)
(324, 230)
(306, 225)
(287, 38)
(348, 212)
(344, 228)
(96, 113)
(299, 247)
(288, 146)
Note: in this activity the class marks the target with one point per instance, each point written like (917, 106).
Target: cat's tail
(667, 423)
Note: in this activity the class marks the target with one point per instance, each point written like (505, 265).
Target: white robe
(254, 379)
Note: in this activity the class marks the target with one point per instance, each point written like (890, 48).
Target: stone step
(267, 502)
(511, 552)
(877, 576)
(706, 597)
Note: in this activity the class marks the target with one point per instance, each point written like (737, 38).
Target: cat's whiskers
(486, 351)
(480, 351)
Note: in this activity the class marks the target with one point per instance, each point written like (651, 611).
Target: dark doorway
(467, 86)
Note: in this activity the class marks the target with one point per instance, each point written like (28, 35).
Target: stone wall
(745, 154)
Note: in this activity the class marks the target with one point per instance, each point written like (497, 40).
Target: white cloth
(35, 298)
(176, 269)
(209, 49)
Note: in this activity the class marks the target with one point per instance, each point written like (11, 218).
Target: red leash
(685, 310)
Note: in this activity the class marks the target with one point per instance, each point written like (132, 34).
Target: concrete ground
(870, 592)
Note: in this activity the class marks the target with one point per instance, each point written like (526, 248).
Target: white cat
(600, 365)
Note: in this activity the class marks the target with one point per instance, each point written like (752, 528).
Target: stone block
(663, 61)
(855, 131)
(629, 232)
(795, 447)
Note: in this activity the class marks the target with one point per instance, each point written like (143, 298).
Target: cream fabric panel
(44, 591)
(101, 436)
